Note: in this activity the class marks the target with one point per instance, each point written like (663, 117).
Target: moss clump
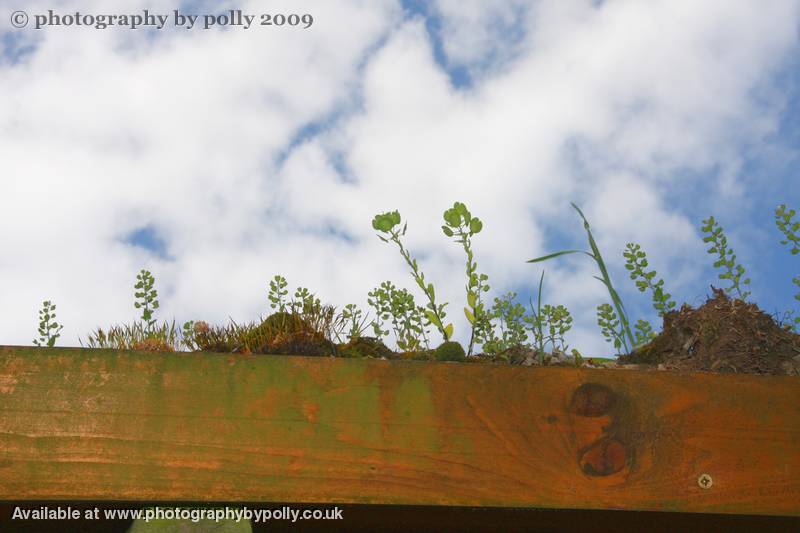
(300, 343)
(365, 347)
(287, 334)
(422, 355)
(283, 322)
(277, 328)
(450, 351)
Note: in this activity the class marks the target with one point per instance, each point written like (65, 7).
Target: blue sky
(217, 159)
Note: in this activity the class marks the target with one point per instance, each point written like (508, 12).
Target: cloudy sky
(218, 158)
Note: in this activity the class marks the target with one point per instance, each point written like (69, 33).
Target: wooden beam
(108, 425)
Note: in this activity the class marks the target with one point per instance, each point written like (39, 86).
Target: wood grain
(106, 425)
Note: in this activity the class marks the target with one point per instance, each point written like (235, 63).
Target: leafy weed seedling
(49, 329)
(277, 291)
(463, 226)
(387, 223)
(784, 219)
(610, 326)
(548, 324)
(146, 295)
(636, 263)
(726, 258)
(407, 319)
(356, 323)
(512, 328)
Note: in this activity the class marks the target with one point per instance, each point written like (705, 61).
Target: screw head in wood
(705, 481)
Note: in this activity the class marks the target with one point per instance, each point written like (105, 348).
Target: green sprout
(304, 302)
(277, 290)
(732, 271)
(535, 320)
(626, 339)
(147, 296)
(188, 335)
(644, 332)
(784, 219)
(387, 223)
(512, 329)
(790, 228)
(559, 322)
(408, 322)
(548, 324)
(636, 263)
(49, 329)
(463, 226)
(380, 299)
(610, 326)
(408, 319)
(352, 316)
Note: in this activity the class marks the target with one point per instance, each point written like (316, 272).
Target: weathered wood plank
(93, 424)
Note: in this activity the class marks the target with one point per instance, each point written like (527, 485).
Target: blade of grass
(557, 254)
(539, 319)
(623, 317)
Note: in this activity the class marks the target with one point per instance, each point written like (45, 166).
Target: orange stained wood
(96, 424)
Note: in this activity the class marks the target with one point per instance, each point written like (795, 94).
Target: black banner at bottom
(143, 517)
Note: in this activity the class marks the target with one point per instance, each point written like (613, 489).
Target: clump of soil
(722, 335)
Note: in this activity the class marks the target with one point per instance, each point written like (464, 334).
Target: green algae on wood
(110, 425)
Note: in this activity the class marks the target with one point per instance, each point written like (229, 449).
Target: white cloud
(190, 132)
(481, 35)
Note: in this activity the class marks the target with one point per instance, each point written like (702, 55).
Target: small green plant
(356, 323)
(644, 332)
(512, 329)
(49, 329)
(636, 263)
(627, 338)
(461, 225)
(188, 335)
(277, 291)
(408, 322)
(610, 326)
(726, 258)
(548, 324)
(143, 334)
(408, 319)
(304, 302)
(146, 295)
(387, 223)
(536, 323)
(380, 299)
(558, 322)
(784, 219)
